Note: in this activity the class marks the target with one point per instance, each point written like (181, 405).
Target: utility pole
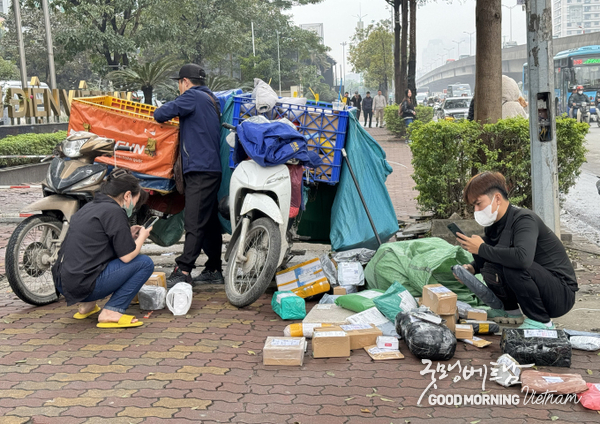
(510, 14)
(21, 45)
(49, 44)
(344, 58)
(279, 63)
(542, 125)
(470, 42)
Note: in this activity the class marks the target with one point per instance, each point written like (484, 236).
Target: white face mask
(486, 217)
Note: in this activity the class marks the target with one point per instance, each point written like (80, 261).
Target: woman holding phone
(101, 254)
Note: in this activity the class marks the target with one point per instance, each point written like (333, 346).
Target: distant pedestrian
(357, 103)
(511, 106)
(346, 99)
(407, 109)
(367, 107)
(379, 104)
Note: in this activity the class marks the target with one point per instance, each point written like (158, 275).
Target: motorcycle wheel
(27, 259)
(246, 282)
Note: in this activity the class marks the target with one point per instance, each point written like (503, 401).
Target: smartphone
(151, 221)
(455, 229)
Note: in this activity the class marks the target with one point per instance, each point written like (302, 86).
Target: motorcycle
(581, 112)
(258, 207)
(70, 183)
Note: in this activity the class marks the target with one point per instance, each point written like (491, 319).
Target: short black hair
(198, 81)
(368, 92)
(119, 182)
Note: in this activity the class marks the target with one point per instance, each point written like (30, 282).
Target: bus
(572, 68)
(459, 90)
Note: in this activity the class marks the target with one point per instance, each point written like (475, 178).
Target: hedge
(446, 154)
(28, 144)
(395, 124)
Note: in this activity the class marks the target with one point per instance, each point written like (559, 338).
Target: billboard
(316, 28)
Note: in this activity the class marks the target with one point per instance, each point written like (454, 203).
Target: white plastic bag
(266, 97)
(179, 299)
(350, 274)
(585, 343)
(152, 298)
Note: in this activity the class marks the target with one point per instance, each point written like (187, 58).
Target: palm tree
(223, 83)
(147, 76)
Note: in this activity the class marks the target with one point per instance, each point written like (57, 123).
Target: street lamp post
(344, 60)
(458, 43)
(20, 43)
(49, 45)
(279, 63)
(470, 42)
(510, 14)
(448, 51)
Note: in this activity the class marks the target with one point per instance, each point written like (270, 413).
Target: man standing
(199, 142)
(346, 99)
(379, 103)
(357, 103)
(521, 260)
(367, 107)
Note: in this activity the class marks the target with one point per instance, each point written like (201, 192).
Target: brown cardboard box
(439, 299)
(284, 351)
(361, 335)
(339, 291)
(463, 331)
(451, 321)
(330, 342)
(477, 314)
(156, 279)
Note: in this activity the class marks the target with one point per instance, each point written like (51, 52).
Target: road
(580, 212)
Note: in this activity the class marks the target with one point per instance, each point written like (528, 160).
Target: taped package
(559, 384)
(328, 313)
(540, 347)
(360, 301)
(288, 305)
(425, 339)
(477, 342)
(152, 298)
(386, 342)
(350, 274)
(396, 299)
(378, 354)
(590, 344)
(284, 351)
(450, 321)
(439, 299)
(373, 316)
(303, 330)
(361, 335)
(477, 314)
(158, 279)
(506, 371)
(482, 327)
(330, 342)
(304, 274)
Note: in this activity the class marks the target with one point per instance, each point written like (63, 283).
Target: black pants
(540, 294)
(358, 114)
(202, 226)
(368, 116)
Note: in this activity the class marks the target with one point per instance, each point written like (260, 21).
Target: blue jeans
(408, 121)
(123, 280)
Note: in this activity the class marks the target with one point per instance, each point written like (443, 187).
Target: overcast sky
(435, 20)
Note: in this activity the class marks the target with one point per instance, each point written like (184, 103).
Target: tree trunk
(147, 90)
(412, 58)
(488, 66)
(403, 49)
(397, 74)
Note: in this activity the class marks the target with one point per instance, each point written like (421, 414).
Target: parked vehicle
(421, 99)
(453, 108)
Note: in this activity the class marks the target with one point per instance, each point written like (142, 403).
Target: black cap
(191, 70)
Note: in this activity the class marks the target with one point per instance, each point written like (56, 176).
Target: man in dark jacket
(357, 103)
(367, 107)
(199, 141)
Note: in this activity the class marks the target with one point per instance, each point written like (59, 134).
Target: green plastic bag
(360, 301)
(396, 299)
(288, 305)
(167, 232)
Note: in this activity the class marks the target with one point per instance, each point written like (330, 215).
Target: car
(454, 108)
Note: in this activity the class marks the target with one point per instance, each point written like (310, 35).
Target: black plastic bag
(549, 348)
(425, 340)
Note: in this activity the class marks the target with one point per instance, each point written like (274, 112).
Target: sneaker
(177, 276)
(502, 317)
(209, 277)
(532, 324)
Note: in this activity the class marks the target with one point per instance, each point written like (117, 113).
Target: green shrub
(395, 124)
(447, 154)
(424, 113)
(28, 144)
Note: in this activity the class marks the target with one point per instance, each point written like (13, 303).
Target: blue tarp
(224, 96)
(226, 116)
(350, 227)
(273, 143)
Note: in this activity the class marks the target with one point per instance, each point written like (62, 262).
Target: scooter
(581, 112)
(258, 207)
(71, 180)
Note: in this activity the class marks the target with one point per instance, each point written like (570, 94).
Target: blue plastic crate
(324, 129)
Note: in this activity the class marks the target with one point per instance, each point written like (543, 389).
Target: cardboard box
(451, 321)
(477, 314)
(339, 291)
(463, 331)
(156, 279)
(284, 351)
(378, 354)
(361, 335)
(387, 342)
(439, 299)
(477, 342)
(329, 314)
(303, 274)
(330, 342)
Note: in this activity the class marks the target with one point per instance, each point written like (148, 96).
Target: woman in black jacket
(407, 109)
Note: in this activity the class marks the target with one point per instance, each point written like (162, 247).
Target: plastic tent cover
(350, 227)
(226, 116)
(416, 263)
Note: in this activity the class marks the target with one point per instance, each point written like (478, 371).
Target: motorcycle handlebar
(228, 126)
(124, 148)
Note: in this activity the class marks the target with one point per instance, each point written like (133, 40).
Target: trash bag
(416, 263)
(179, 299)
(550, 348)
(585, 343)
(350, 227)
(425, 339)
(152, 298)
(396, 299)
(288, 305)
(590, 399)
(358, 302)
(167, 232)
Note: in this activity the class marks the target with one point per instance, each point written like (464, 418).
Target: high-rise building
(572, 17)
(4, 6)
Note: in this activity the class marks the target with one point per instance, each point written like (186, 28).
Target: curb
(7, 187)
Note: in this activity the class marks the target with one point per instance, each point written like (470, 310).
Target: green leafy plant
(424, 113)
(395, 123)
(446, 154)
(28, 144)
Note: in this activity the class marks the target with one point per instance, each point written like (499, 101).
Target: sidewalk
(207, 367)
